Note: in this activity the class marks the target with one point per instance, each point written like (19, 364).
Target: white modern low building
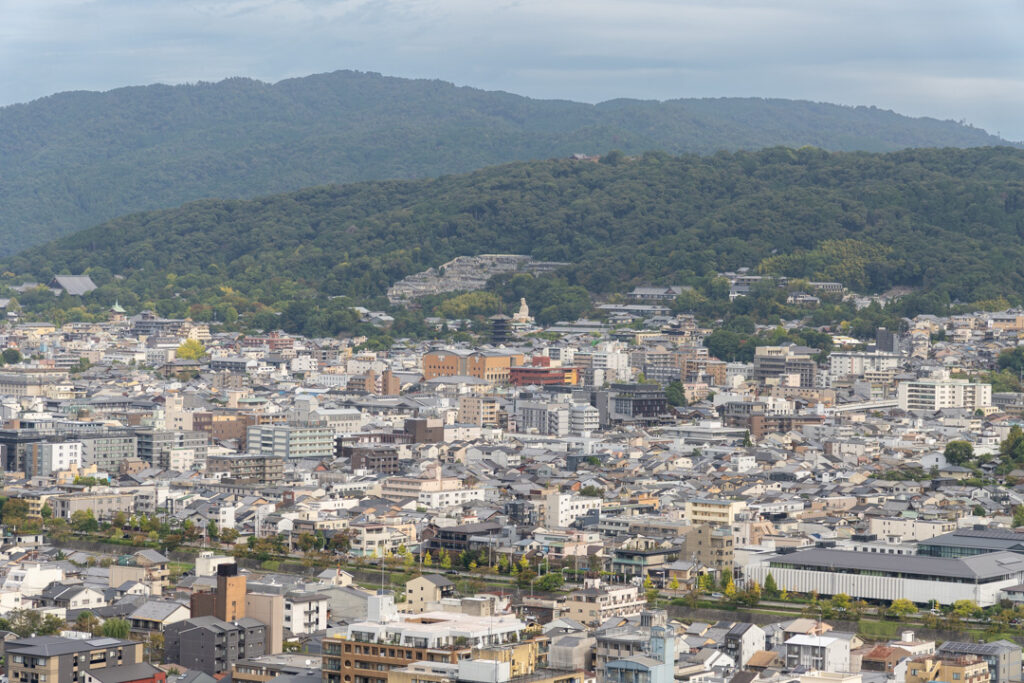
(868, 576)
(431, 629)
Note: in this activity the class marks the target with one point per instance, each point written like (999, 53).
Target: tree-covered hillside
(73, 160)
(950, 221)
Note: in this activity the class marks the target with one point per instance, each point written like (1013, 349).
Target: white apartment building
(562, 509)
(842, 365)
(712, 511)
(44, 458)
(178, 459)
(584, 418)
(542, 417)
(442, 499)
(305, 612)
(936, 394)
(818, 653)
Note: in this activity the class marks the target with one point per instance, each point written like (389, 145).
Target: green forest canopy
(949, 221)
(76, 159)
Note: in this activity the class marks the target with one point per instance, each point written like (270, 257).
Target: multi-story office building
(291, 441)
(773, 362)
(152, 443)
(14, 445)
(638, 402)
(108, 449)
(43, 458)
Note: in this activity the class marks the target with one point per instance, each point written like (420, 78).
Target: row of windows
(892, 574)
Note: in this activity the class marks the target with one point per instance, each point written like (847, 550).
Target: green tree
(842, 602)
(86, 621)
(25, 623)
(1018, 516)
(901, 608)
(14, 513)
(965, 608)
(551, 581)
(959, 452)
(83, 520)
(675, 395)
(11, 356)
(592, 492)
(771, 589)
(212, 530)
(190, 349)
(116, 628)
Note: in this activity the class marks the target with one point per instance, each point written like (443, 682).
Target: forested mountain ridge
(73, 160)
(949, 221)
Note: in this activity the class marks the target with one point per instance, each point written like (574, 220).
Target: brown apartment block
(490, 366)
(248, 467)
(224, 426)
(227, 603)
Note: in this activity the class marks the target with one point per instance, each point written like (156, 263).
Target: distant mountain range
(948, 221)
(76, 159)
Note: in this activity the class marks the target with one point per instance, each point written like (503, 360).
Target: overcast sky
(948, 59)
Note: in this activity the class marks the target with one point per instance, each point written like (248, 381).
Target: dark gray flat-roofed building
(968, 542)
(212, 645)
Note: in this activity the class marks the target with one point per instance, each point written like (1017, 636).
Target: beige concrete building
(422, 591)
(710, 511)
(595, 603)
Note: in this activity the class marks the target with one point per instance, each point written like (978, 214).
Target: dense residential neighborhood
(595, 500)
